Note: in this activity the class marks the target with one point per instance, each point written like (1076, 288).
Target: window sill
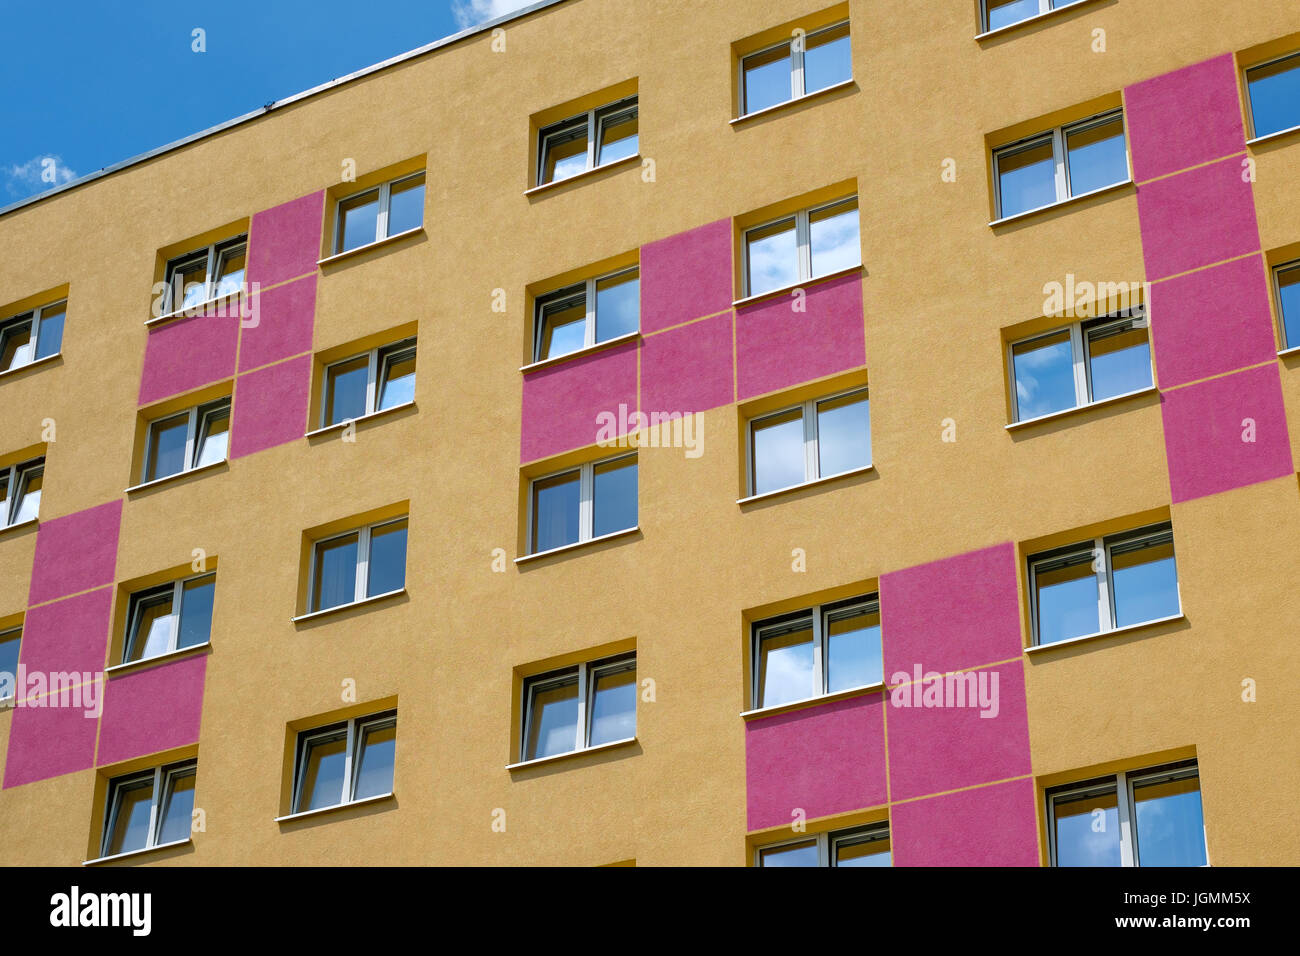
(339, 426)
(1061, 202)
(525, 764)
(288, 818)
(156, 659)
(555, 184)
(33, 364)
(806, 484)
(340, 608)
(1050, 416)
(21, 524)
(579, 353)
(176, 477)
(1269, 137)
(773, 293)
(194, 311)
(577, 544)
(787, 104)
(1037, 17)
(806, 702)
(387, 240)
(1127, 629)
(130, 853)
(1287, 353)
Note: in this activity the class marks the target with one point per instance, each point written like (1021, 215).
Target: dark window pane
(51, 334)
(553, 719)
(335, 580)
(196, 611)
(614, 497)
(345, 390)
(15, 345)
(1288, 288)
(178, 813)
(9, 646)
(387, 568)
(151, 625)
(133, 803)
(378, 753)
(555, 511)
(324, 766)
(167, 447)
(613, 706)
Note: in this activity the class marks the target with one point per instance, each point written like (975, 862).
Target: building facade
(882, 457)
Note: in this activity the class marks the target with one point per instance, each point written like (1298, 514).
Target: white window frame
(164, 778)
(593, 120)
(797, 78)
(385, 193)
(867, 603)
(378, 360)
(811, 458)
(587, 289)
(586, 500)
(356, 727)
(215, 254)
(588, 673)
(18, 474)
(137, 598)
(829, 840)
(1250, 114)
(1060, 156)
(198, 417)
(1278, 270)
(1044, 7)
(363, 534)
(1123, 784)
(7, 635)
(35, 317)
(803, 241)
(1099, 552)
(1079, 333)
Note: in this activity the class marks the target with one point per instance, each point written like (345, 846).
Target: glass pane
(167, 447)
(785, 665)
(618, 306)
(151, 626)
(863, 852)
(1067, 601)
(618, 137)
(826, 59)
(1026, 179)
(1170, 830)
(1288, 289)
(613, 707)
(335, 580)
(843, 435)
(834, 237)
(772, 256)
(387, 568)
(178, 813)
(1119, 361)
(398, 380)
(565, 154)
(51, 333)
(196, 611)
(345, 390)
(28, 504)
(4, 496)
(555, 511)
(406, 205)
(553, 719)
(765, 78)
(214, 436)
(1145, 584)
(15, 345)
(853, 657)
(230, 272)
(614, 497)
(133, 803)
(1097, 157)
(1006, 12)
(358, 221)
(322, 776)
(378, 753)
(1044, 371)
(1087, 830)
(792, 854)
(778, 452)
(9, 646)
(564, 326)
(191, 282)
(1275, 96)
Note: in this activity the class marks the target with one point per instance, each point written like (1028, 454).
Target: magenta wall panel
(777, 347)
(1196, 218)
(1212, 321)
(148, 711)
(270, 406)
(1204, 431)
(952, 614)
(284, 241)
(988, 826)
(686, 276)
(561, 403)
(188, 353)
(47, 742)
(688, 369)
(824, 759)
(68, 635)
(932, 749)
(286, 319)
(1183, 118)
(75, 553)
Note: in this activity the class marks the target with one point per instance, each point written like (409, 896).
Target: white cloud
(36, 175)
(469, 13)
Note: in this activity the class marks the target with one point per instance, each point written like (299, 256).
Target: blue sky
(121, 77)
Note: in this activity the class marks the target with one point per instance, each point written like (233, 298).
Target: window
(812, 243)
(20, 491)
(1055, 166)
(188, 440)
(152, 808)
(1003, 13)
(1148, 818)
(1083, 363)
(10, 642)
(357, 565)
(1107, 583)
(587, 313)
(345, 762)
(583, 503)
(568, 147)
(1274, 93)
(371, 382)
(1288, 303)
(380, 213)
(214, 272)
(168, 618)
(821, 651)
(794, 68)
(580, 707)
(817, 439)
(860, 846)
(31, 336)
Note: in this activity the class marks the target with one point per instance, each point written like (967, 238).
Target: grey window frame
(137, 598)
(586, 290)
(35, 317)
(798, 83)
(816, 617)
(164, 778)
(593, 122)
(1058, 136)
(385, 193)
(17, 475)
(355, 728)
(587, 673)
